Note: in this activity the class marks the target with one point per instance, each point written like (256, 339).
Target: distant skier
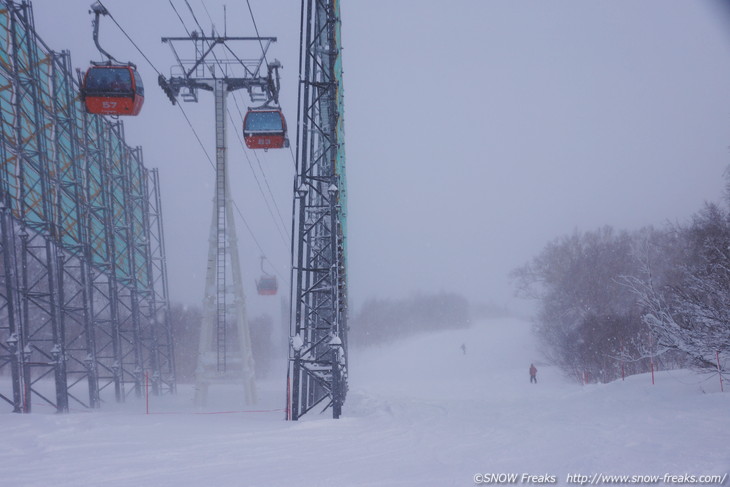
(463, 348)
(533, 374)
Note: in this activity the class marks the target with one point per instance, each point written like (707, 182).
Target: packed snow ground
(419, 413)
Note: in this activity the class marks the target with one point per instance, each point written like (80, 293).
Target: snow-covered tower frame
(83, 290)
(318, 351)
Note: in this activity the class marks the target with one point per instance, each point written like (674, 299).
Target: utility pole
(224, 306)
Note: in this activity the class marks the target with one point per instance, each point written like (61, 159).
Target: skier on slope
(533, 374)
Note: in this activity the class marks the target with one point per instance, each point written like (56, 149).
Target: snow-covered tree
(586, 319)
(687, 303)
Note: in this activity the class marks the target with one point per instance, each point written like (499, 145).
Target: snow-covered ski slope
(420, 413)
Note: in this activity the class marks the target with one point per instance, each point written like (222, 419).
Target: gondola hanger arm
(98, 10)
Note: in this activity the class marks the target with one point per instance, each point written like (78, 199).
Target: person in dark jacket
(533, 374)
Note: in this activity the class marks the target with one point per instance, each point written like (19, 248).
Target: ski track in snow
(419, 413)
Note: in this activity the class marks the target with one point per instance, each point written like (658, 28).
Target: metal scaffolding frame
(83, 285)
(318, 351)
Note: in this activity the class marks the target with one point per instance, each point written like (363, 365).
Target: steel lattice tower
(224, 307)
(318, 352)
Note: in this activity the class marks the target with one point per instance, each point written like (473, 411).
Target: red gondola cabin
(267, 285)
(265, 129)
(113, 90)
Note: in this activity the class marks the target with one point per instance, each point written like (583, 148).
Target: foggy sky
(476, 131)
